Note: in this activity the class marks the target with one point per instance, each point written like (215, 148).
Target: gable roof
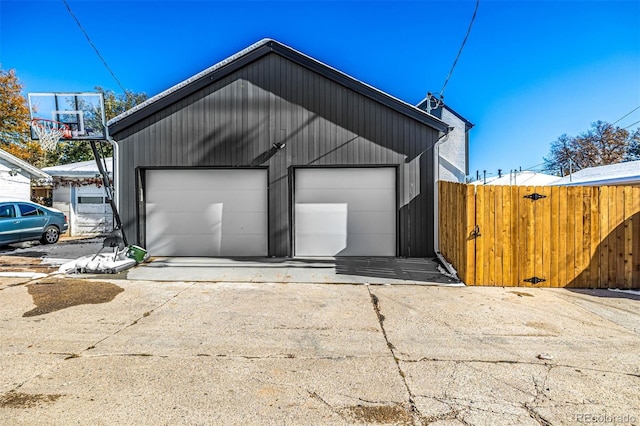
(33, 171)
(251, 54)
(627, 173)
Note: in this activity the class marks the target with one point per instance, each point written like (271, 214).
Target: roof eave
(33, 171)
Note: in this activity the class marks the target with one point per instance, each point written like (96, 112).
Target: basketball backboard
(83, 113)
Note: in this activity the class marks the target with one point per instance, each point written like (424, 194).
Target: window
(27, 210)
(90, 200)
(7, 211)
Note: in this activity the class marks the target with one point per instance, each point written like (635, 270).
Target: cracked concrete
(265, 353)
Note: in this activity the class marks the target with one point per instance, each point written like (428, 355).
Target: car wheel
(50, 236)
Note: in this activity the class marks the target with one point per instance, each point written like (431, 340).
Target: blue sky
(529, 72)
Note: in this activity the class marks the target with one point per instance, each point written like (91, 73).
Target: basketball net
(49, 132)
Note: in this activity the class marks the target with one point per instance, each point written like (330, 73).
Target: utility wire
(626, 115)
(94, 46)
(633, 124)
(475, 11)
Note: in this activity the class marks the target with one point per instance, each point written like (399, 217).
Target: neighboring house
(627, 173)
(273, 153)
(79, 193)
(16, 176)
(452, 153)
(519, 178)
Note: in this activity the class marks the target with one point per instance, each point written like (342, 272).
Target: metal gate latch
(535, 280)
(475, 233)
(535, 196)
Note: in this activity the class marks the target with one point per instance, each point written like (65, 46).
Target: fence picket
(543, 211)
(628, 237)
(635, 250)
(554, 240)
(596, 239)
(470, 245)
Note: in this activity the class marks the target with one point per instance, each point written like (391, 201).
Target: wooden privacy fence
(546, 236)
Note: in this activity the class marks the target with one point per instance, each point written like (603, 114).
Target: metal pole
(107, 188)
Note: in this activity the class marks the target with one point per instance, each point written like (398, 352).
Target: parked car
(26, 221)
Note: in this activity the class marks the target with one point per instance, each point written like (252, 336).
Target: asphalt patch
(54, 294)
(30, 254)
(379, 414)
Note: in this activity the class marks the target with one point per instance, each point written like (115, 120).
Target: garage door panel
(177, 223)
(358, 199)
(185, 245)
(236, 245)
(345, 212)
(206, 212)
(205, 179)
(190, 201)
(321, 218)
(320, 245)
(345, 177)
(181, 201)
(369, 222)
(244, 223)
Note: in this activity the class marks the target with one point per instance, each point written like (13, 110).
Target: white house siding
(453, 150)
(18, 186)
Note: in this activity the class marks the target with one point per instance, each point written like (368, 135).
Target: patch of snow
(613, 174)
(634, 292)
(32, 275)
(54, 261)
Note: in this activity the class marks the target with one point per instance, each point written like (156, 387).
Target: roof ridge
(251, 48)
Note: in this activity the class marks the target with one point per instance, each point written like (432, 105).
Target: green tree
(116, 104)
(601, 145)
(633, 153)
(14, 121)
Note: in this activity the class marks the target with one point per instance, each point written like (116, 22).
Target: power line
(475, 11)
(626, 115)
(94, 46)
(633, 124)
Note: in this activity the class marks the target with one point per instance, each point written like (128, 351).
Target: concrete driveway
(340, 270)
(35, 257)
(122, 352)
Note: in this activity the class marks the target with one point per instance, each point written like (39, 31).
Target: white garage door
(206, 212)
(345, 212)
(92, 211)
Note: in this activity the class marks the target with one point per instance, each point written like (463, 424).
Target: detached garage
(273, 153)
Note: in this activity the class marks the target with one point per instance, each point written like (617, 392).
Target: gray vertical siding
(234, 121)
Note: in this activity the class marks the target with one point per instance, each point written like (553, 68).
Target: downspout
(436, 210)
(115, 171)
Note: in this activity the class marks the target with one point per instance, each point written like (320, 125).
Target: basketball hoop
(49, 132)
